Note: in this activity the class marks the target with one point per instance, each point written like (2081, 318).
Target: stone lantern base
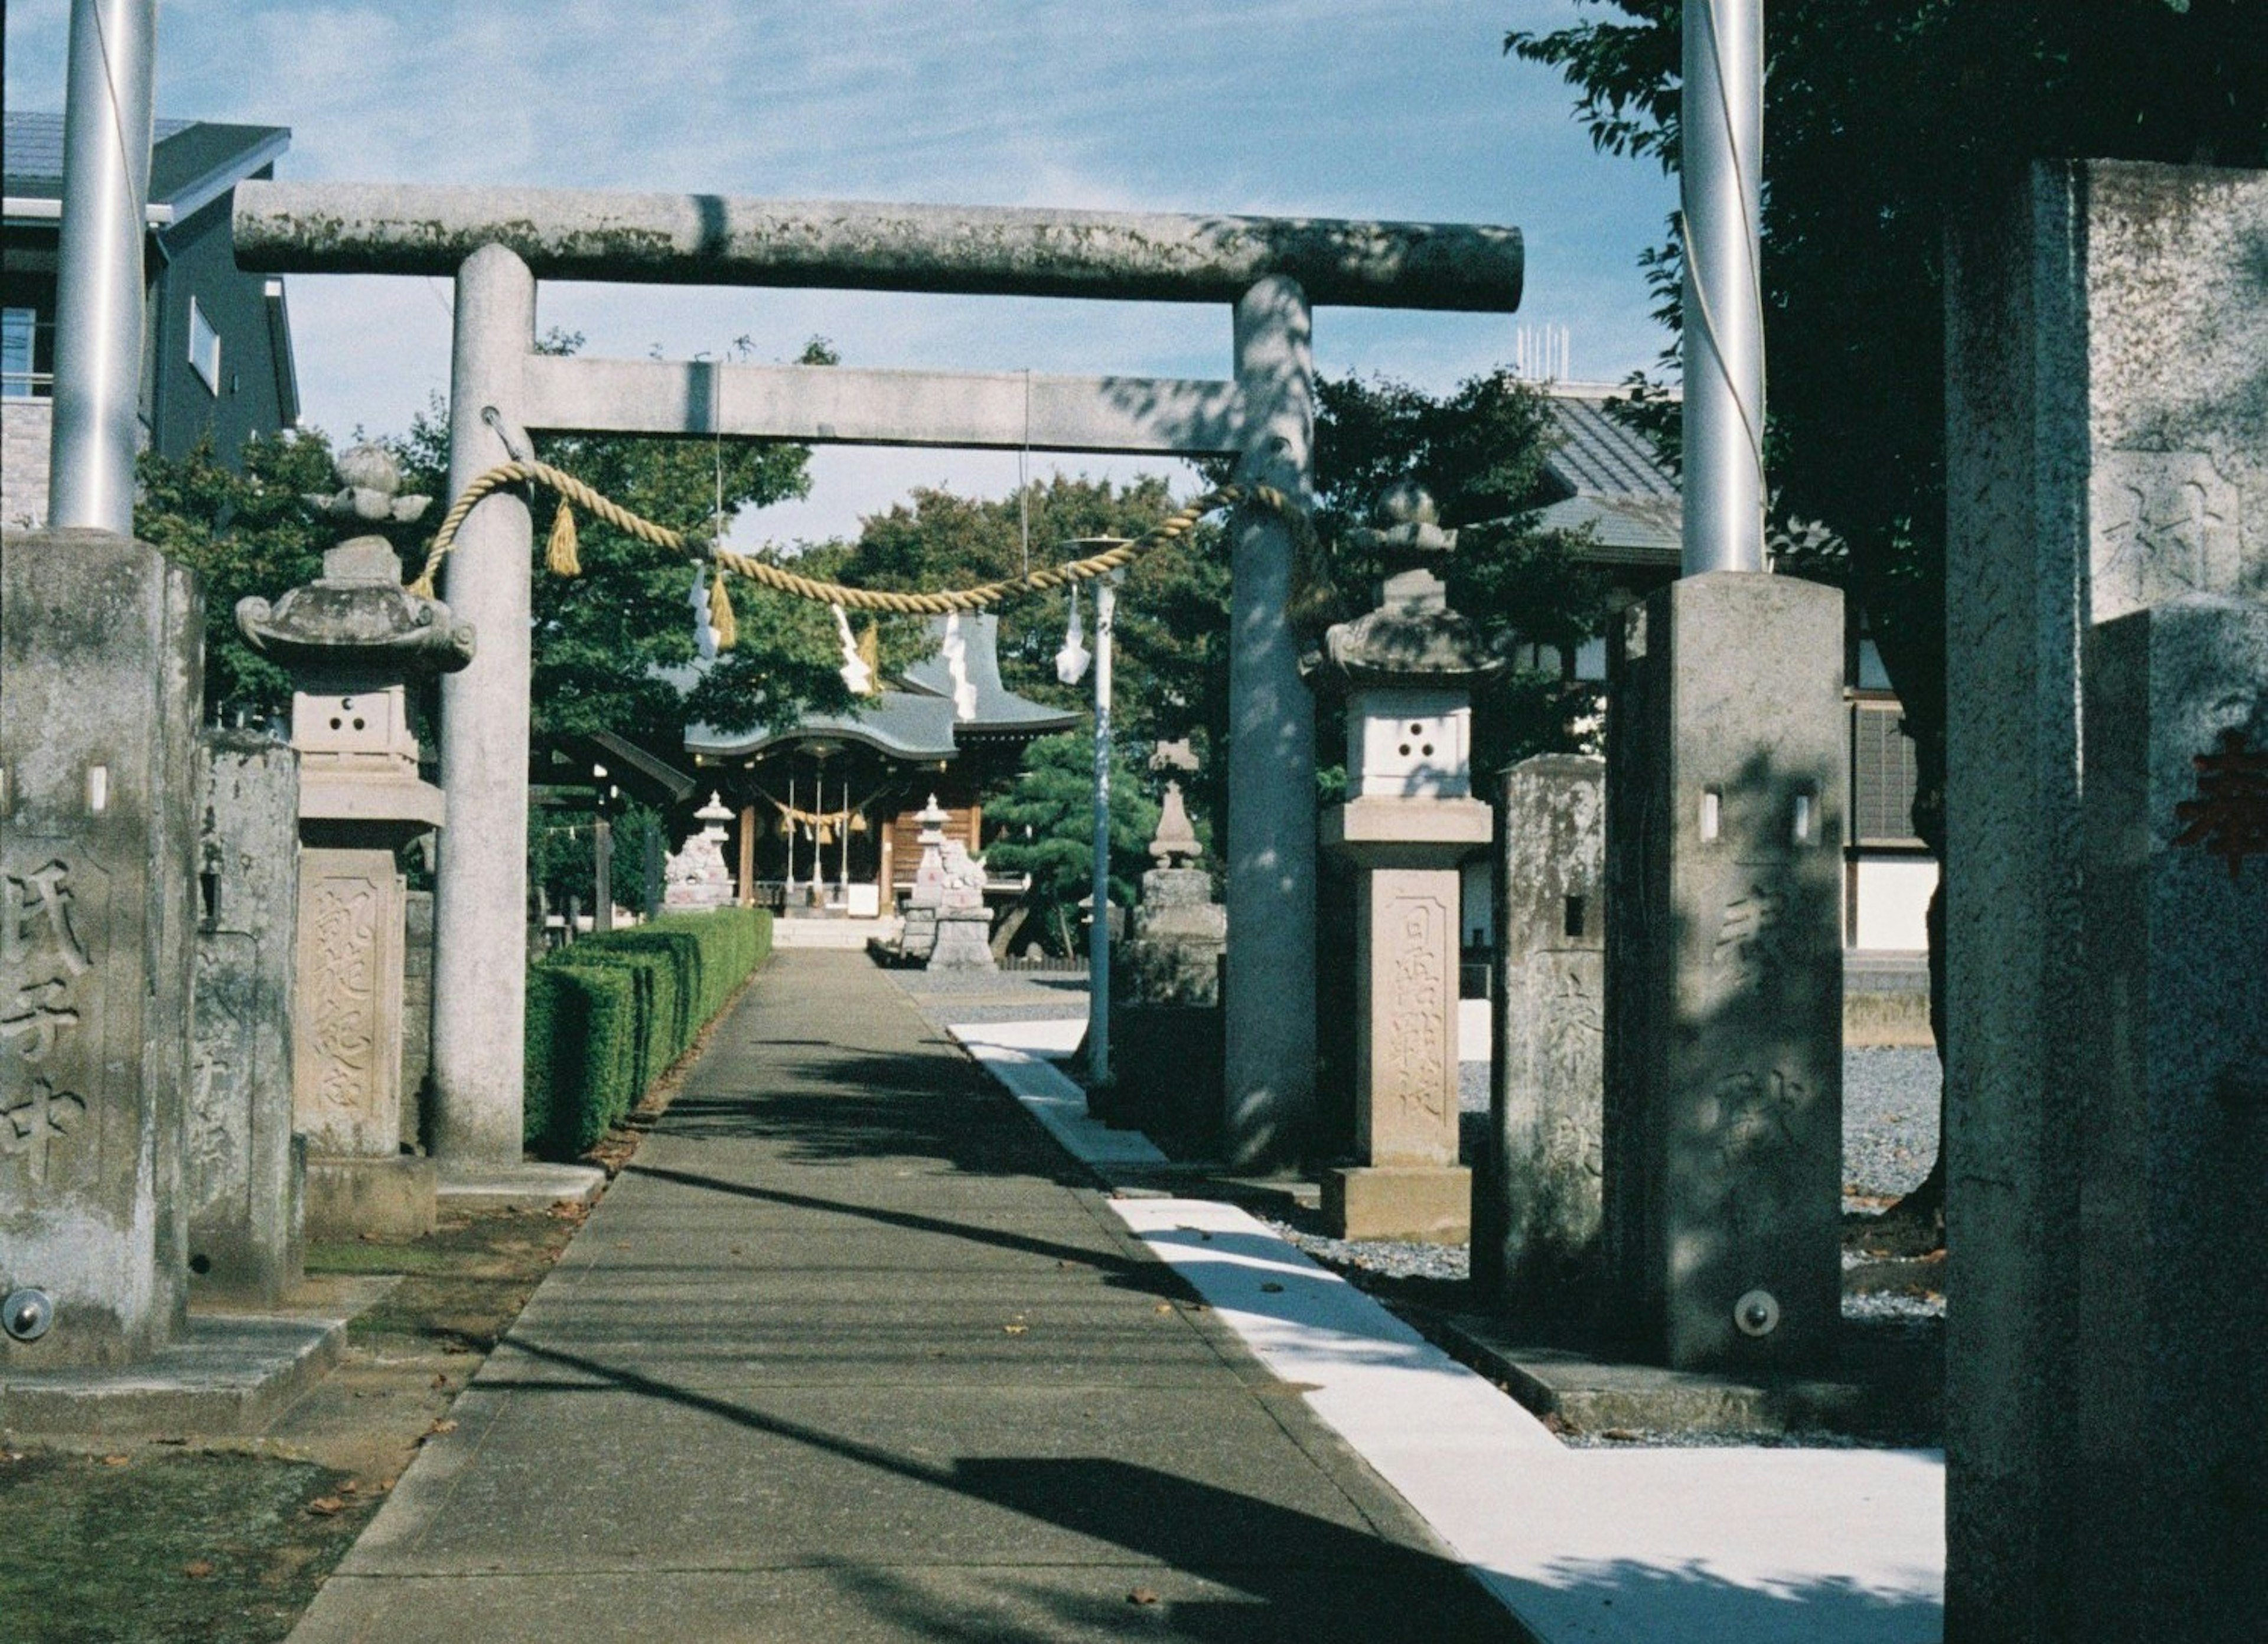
(1426, 1204)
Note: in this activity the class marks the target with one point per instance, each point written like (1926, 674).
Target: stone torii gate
(498, 243)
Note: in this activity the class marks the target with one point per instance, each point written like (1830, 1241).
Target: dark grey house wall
(199, 260)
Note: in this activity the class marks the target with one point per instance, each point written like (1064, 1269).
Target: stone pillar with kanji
(354, 641)
(101, 664)
(1405, 672)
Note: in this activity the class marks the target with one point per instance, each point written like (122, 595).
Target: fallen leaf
(454, 1346)
(1141, 1595)
(440, 1380)
(116, 1461)
(1165, 1307)
(352, 1486)
(443, 1426)
(1620, 1435)
(1015, 1330)
(197, 1569)
(324, 1506)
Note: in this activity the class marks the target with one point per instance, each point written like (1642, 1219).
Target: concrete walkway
(851, 1352)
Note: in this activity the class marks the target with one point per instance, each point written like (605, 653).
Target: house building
(216, 345)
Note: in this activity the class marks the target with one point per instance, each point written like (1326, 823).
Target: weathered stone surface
(243, 1179)
(389, 1197)
(417, 1010)
(1535, 1182)
(1268, 1005)
(347, 1038)
(700, 875)
(101, 642)
(2173, 1126)
(581, 234)
(1722, 1139)
(1179, 934)
(1429, 1204)
(2107, 448)
(963, 940)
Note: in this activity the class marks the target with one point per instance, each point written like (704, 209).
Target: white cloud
(1401, 108)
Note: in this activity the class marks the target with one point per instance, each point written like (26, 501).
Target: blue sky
(1389, 108)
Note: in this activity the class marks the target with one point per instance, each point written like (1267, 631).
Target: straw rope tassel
(720, 613)
(559, 555)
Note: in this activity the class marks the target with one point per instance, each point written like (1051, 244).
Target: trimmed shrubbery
(606, 1016)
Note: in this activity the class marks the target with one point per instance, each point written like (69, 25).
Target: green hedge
(606, 1016)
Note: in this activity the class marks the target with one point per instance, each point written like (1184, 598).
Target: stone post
(246, 1170)
(1535, 1182)
(2106, 452)
(919, 938)
(1722, 1132)
(101, 660)
(353, 641)
(1270, 1004)
(2173, 1126)
(480, 959)
(1407, 669)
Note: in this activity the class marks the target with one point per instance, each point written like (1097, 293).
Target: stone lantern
(1406, 670)
(353, 641)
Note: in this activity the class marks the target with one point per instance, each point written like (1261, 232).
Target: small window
(204, 347)
(20, 375)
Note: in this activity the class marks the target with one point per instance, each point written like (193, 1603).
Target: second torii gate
(498, 243)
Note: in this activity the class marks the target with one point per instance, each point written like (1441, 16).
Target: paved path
(851, 1352)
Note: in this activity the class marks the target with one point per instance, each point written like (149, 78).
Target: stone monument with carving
(1179, 931)
(1406, 670)
(698, 877)
(353, 641)
(964, 924)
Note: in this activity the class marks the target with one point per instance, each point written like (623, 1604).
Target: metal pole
(843, 877)
(1723, 123)
(99, 284)
(602, 875)
(1098, 931)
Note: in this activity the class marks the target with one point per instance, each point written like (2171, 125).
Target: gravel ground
(1890, 1128)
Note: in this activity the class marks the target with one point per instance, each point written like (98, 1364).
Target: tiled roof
(189, 155)
(1599, 456)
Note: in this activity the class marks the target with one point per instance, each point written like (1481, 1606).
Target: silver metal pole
(790, 838)
(843, 876)
(1724, 345)
(1098, 932)
(107, 128)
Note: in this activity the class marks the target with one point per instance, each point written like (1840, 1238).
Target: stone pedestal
(1535, 1181)
(101, 643)
(1722, 1141)
(2172, 1310)
(964, 924)
(2107, 450)
(1173, 956)
(244, 1169)
(347, 1048)
(1409, 1184)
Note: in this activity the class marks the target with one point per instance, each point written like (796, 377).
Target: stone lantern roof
(1413, 638)
(357, 617)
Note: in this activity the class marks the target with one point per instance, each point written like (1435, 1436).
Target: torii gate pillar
(480, 900)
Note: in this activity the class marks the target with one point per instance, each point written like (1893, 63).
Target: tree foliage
(1882, 120)
(1048, 818)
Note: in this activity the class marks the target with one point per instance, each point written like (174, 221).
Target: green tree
(1882, 120)
(612, 646)
(1048, 818)
(246, 532)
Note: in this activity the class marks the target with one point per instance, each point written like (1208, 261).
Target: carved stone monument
(1173, 956)
(353, 640)
(101, 653)
(2107, 480)
(1723, 1124)
(1536, 1180)
(699, 877)
(246, 1170)
(964, 924)
(1407, 669)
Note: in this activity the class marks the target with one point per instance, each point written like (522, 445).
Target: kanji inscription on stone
(30, 1128)
(2228, 818)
